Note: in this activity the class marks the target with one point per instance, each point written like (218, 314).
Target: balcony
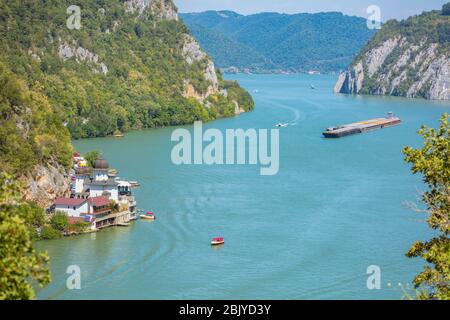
(102, 211)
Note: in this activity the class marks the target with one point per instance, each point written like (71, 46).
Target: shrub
(48, 233)
(78, 227)
(92, 156)
(59, 221)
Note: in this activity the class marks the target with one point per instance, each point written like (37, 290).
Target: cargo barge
(363, 126)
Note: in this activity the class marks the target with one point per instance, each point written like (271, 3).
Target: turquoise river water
(309, 232)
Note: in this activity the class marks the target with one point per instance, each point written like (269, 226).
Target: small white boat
(282, 125)
(148, 216)
(135, 184)
(217, 241)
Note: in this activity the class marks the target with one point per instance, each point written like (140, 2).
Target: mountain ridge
(283, 42)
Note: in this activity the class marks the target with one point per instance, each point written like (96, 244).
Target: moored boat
(148, 216)
(112, 172)
(135, 184)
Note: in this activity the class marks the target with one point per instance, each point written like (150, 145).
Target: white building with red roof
(96, 210)
(94, 191)
(72, 207)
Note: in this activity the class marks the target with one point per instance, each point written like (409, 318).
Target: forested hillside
(132, 64)
(271, 42)
(92, 70)
(227, 52)
(31, 133)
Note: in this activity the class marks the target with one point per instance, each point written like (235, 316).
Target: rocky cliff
(34, 144)
(410, 58)
(45, 183)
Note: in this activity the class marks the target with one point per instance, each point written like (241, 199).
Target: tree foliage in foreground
(446, 9)
(433, 162)
(20, 264)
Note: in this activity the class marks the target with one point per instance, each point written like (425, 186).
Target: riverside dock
(362, 127)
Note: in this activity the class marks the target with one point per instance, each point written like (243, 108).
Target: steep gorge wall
(403, 63)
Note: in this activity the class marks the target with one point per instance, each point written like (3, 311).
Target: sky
(390, 9)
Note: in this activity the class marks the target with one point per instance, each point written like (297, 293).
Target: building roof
(83, 171)
(74, 220)
(101, 164)
(99, 201)
(72, 202)
(85, 218)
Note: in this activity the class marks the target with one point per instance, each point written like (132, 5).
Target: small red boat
(148, 216)
(217, 241)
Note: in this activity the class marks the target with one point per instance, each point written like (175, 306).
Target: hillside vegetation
(132, 65)
(31, 133)
(271, 42)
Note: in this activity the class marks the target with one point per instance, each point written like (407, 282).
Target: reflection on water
(218, 247)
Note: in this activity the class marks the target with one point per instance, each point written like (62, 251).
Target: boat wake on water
(295, 112)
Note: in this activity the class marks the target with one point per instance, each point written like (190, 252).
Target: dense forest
(121, 70)
(270, 42)
(31, 133)
(228, 52)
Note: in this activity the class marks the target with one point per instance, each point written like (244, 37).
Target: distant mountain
(227, 52)
(269, 42)
(409, 58)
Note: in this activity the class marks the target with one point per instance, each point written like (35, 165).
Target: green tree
(433, 162)
(20, 264)
(49, 233)
(92, 156)
(59, 221)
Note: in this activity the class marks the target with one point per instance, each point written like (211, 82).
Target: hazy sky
(398, 9)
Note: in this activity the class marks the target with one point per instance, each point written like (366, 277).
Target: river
(335, 208)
